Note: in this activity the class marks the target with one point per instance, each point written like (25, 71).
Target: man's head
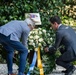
(30, 22)
(55, 21)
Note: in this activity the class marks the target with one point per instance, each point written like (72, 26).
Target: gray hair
(30, 21)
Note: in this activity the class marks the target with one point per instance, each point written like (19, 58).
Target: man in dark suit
(66, 37)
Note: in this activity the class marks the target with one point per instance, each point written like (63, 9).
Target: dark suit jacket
(65, 36)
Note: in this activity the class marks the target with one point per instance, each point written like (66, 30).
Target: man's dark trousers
(10, 46)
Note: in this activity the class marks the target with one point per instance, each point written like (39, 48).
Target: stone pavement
(3, 69)
(58, 70)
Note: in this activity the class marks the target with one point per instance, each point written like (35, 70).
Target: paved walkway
(57, 71)
(3, 69)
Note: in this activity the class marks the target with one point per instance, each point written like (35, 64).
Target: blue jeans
(10, 46)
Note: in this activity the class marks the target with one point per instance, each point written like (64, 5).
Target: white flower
(36, 31)
(48, 41)
(39, 29)
(31, 32)
(31, 41)
(16, 52)
(48, 34)
(40, 44)
(31, 37)
(40, 40)
(36, 37)
(33, 44)
(51, 38)
(40, 32)
(44, 31)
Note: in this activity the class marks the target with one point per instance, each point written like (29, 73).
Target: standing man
(65, 36)
(10, 36)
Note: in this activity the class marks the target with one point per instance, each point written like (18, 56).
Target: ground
(57, 71)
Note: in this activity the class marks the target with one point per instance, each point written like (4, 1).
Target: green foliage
(68, 21)
(2, 55)
(16, 9)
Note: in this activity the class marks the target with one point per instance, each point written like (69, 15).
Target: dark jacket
(65, 36)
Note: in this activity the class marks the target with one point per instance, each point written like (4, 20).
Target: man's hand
(46, 49)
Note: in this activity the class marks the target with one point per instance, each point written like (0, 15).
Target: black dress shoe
(70, 70)
(64, 71)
